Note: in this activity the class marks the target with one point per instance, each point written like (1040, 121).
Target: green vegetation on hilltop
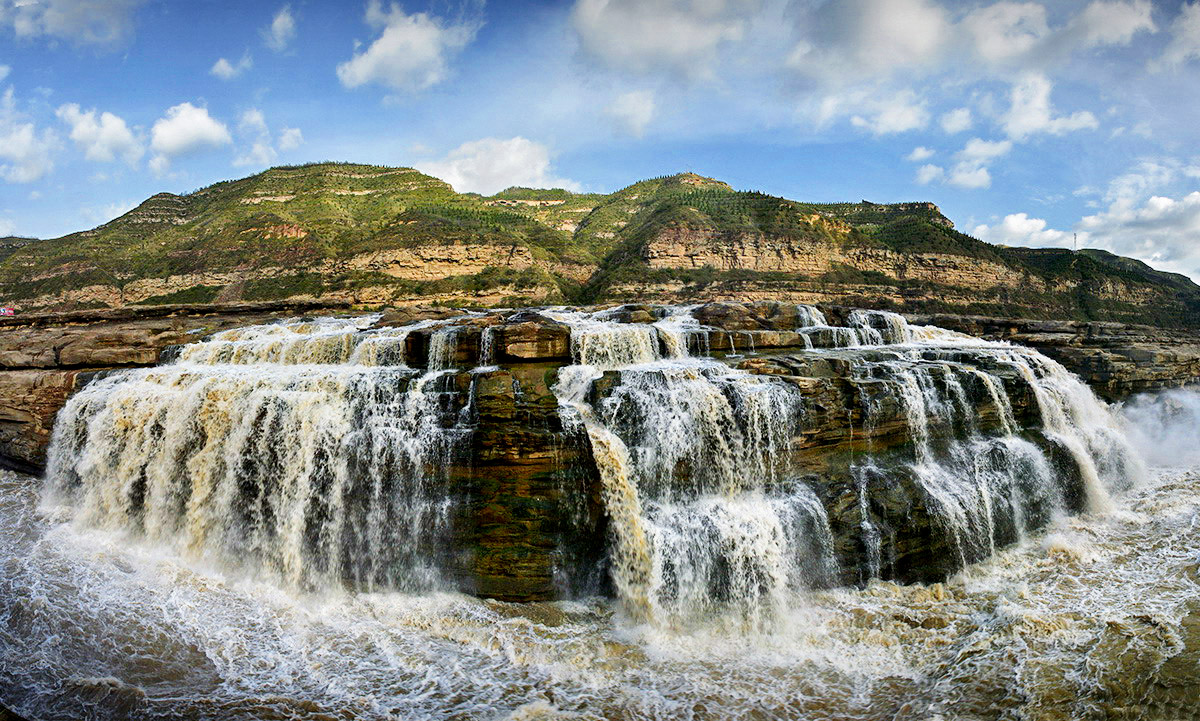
(520, 193)
(394, 234)
(916, 234)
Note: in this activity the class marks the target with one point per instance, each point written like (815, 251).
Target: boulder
(530, 336)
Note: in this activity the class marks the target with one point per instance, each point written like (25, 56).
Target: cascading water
(687, 451)
(310, 449)
(289, 448)
(991, 488)
(694, 455)
(325, 464)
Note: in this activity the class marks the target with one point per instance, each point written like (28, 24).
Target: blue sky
(1027, 122)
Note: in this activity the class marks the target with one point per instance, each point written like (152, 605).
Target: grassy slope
(297, 218)
(905, 228)
(294, 217)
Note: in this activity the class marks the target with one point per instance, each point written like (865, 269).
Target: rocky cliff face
(43, 358)
(680, 248)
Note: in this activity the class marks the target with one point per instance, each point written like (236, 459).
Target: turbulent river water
(1095, 616)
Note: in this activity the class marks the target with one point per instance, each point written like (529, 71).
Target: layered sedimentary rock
(1115, 359)
(814, 257)
(677, 457)
(370, 235)
(44, 356)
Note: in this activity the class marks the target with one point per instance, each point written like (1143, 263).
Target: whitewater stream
(155, 605)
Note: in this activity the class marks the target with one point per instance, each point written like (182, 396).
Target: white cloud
(257, 148)
(93, 22)
(253, 121)
(1162, 232)
(184, 129)
(1111, 22)
(102, 138)
(253, 125)
(919, 153)
(858, 39)
(632, 111)
(159, 165)
(1030, 111)
(1148, 177)
(957, 120)
(684, 36)
(490, 165)
(226, 70)
(411, 53)
(900, 113)
(282, 29)
(1017, 33)
(7, 227)
(978, 150)
(290, 139)
(260, 154)
(1020, 229)
(26, 154)
(1140, 220)
(4, 71)
(971, 171)
(970, 176)
(926, 174)
(1006, 30)
(850, 51)
(1184, 45)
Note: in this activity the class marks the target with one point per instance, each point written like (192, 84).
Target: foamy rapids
(184, 600)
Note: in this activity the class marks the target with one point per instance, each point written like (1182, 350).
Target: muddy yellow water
(1096, 618)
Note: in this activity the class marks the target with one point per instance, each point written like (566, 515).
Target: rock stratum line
(370, 235)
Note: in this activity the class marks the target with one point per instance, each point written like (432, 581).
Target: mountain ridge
(379, 235)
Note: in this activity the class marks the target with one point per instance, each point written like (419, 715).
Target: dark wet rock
(396, 317)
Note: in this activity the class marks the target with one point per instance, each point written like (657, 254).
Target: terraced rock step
(676, 457)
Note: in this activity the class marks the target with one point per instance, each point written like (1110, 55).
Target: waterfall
(687, 450)
(675, 329)
(280, 447)
(599, 342)
(877, 327)
(487, 347)
(311, 451)
(988, 488)
(744, 499)
(707, 512)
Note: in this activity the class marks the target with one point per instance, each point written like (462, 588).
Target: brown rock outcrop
(529, 522)
(29, 399)
(1115, 359)
(43, 356)
(813, 257)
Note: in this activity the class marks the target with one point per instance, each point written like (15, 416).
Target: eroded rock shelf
(532, 509)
